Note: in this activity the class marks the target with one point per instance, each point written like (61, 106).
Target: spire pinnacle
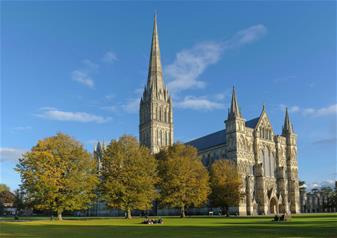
(155, 75)
(263, 109)
(234, 109)
(287, 127)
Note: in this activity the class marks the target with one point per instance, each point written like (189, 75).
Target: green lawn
(320, 226)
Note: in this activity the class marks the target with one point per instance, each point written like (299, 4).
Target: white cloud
(198, 103)
(189, 64)
(109, 57)
(132, 106)
(246, 36)
(315, 112)
(83, 78)
(326, 183)
(294, 109)
(326, 141)
(325, 111)
(83, 75)
(10, 154)
(290, 109)
(224, 95)
(55, 114)
(22, 128)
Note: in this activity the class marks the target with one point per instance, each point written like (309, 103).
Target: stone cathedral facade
(266, 162)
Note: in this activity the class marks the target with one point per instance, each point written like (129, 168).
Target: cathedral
(266, 162)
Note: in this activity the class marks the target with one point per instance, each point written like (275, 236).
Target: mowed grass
(320, 226)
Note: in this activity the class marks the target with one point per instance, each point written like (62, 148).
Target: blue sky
(80, 67)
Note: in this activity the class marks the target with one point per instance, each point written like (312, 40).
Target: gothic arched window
(166, 138)
(165, 115)
(267, 162)
(161, 137)
(261, 156)
(272, 165)
(158, 137)
(264, 162)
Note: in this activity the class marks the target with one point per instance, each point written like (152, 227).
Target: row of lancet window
(159, 114)
(265, 133)
(268, 162)
(163, 137)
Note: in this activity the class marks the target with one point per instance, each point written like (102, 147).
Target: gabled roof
(208, 141)
(252, 123)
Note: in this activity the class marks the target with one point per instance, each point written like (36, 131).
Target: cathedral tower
(155, 111)
(292, 166)
(235, 126)
(235, 132)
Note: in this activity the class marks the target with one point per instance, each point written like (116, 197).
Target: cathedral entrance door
(273, 206)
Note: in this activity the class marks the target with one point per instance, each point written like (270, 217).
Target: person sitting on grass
(276, 218)
(153, 221)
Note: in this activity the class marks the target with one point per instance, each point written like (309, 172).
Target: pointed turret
(287, 127)
(155, 75)
(234, 111)
(99, 148)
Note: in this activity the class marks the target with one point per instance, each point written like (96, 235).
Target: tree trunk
(129, 214)
(182, 215)
(227, 211)
(59, 215)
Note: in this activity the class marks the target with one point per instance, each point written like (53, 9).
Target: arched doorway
(273, 206)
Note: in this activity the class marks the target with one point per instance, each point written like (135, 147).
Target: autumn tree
(58, 174)
(129, 175)
(3, 187)
(7, 198)
(225, 185)
(183, 178)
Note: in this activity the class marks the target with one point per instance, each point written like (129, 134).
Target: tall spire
(234, 109)
(287, 127)
(155, 75)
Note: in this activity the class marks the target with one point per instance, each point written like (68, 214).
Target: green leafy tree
(129, 175)
(301, 183)
(58, 174)
(183, 178)
(21, 200)
(332, 203)
(225, 184)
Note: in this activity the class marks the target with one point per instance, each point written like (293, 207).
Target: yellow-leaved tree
(129, 175)
(183, 178)
(58, 174)
(225, 185)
